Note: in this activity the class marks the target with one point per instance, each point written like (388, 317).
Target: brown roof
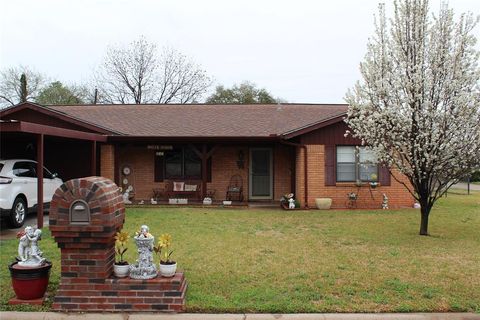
(200, 120)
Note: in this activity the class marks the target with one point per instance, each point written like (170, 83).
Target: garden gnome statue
(144, 268)
(385, 202)
(291, 203)
(29, 254)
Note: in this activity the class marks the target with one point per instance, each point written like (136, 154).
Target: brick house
(271, 149)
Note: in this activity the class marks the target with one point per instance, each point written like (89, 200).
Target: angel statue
(29, 253)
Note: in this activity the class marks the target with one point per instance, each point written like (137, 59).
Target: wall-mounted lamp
(241, 160)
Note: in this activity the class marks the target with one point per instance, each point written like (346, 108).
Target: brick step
(135, 295)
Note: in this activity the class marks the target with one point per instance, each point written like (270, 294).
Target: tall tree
(23, 88)
(57, 94)
(14, 90)
(137, 74)
(418, 105)
(244, 93)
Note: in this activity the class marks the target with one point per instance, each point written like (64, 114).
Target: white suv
(18, 189)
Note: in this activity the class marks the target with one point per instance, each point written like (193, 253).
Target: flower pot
(323, 203)
(182, 201)
(168, 270)
(121, 270)
(30, 282)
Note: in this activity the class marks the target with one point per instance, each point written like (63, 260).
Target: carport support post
(40, 181)
(94, 158)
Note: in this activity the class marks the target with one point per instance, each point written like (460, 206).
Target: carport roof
(35, 128)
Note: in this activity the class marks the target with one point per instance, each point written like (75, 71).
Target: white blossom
(418, 104)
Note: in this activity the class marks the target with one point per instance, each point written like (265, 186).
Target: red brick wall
(284, 170)
(141, 162)
(224, 166)
(107, 161)
(368, 198)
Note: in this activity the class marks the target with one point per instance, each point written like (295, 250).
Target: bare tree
(136, 74)
(11, 91)
(180, 80)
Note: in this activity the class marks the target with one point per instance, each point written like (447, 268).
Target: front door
(261, 179)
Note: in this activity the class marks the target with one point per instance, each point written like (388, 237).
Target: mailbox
(79, 212)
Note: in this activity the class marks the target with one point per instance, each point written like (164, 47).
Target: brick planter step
(122, 295)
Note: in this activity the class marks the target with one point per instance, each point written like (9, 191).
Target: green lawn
(313, 261)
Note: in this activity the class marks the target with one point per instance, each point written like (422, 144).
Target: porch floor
(250, 204)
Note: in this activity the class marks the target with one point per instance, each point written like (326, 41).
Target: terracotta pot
(121, 270)
(168, 270)
(30, 282)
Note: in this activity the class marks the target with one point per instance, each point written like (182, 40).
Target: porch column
(94, 158)
(204, 156)
(40, 181)
(204, 170)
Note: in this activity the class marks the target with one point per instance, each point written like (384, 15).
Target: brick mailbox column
(85, 214)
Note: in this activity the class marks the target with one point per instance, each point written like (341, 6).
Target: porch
(259, 173)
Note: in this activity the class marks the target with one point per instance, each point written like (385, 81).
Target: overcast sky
(299, 50)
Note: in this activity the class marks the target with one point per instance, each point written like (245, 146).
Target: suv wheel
(18, 213)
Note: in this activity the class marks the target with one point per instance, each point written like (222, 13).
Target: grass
(245, 260)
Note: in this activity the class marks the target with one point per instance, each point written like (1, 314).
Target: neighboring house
(275, 149)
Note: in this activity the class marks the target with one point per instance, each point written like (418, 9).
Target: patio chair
(235, 188)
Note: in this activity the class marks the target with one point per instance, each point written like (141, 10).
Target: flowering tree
(418, 105)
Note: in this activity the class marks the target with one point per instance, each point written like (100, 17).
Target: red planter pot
(30, 283)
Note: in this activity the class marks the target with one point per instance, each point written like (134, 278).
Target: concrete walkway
(199, 316)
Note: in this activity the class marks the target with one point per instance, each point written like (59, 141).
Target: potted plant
(373, 182)
(284, 200)
(352, 196)
(121, 267)
(167, 266)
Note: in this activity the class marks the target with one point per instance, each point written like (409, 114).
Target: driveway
(464, 186)
(31, 220)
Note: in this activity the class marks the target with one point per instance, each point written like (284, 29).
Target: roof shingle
(204, 120)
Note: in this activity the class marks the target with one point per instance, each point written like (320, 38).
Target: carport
(71, 153)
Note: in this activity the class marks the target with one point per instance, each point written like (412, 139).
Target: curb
(12, 315)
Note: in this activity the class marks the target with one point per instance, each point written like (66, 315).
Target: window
(24, 169)
(355, 164)
(174, 164)
(192, 164)
(182, 163)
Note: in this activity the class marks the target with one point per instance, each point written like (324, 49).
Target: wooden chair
(235, 188)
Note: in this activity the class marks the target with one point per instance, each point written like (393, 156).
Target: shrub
(475, 176)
